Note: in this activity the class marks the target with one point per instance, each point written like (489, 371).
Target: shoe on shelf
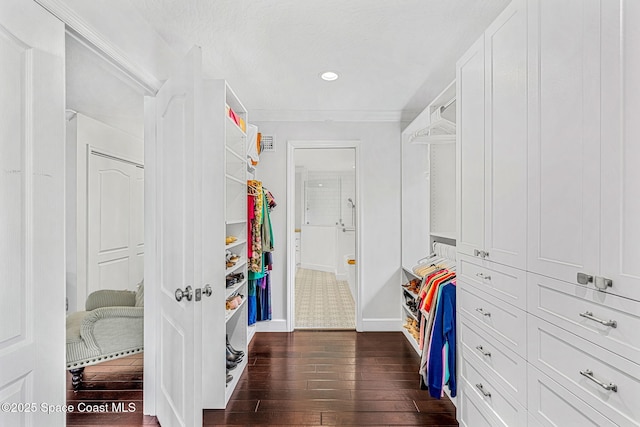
(231, 365)
(233, 350)
(229, 378)
(232, 357)
(230, 239)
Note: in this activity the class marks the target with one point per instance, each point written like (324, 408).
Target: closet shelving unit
(428, 188)
(228, 148)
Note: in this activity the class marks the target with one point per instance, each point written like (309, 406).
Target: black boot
(231, 365)
(231, 357)
(233, 350)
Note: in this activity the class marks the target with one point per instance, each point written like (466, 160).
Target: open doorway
(325, 234)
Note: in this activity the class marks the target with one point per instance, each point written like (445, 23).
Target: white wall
(380, 211)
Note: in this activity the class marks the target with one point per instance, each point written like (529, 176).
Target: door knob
(207, 290)
(187, 293)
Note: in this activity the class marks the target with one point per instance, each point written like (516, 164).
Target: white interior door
(174, 182)
(32, 264)
(115, 223)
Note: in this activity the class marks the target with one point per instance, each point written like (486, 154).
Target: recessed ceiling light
(329, 76)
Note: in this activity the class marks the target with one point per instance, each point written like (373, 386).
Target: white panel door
(178, 361)
(115, 223)
(621, 150)
(470, 149)
(32, 263)
(506, 137)
(564, 138)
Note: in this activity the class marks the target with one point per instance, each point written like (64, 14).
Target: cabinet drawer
(503, 321)
(550, 404)
(578, 364)
(505, 283)
(505, 365)
(473, 412)
(561, 303)
(485, 387)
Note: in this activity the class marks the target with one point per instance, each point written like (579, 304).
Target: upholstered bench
(111, 327)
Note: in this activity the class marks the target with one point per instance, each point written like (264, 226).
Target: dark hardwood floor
(304, 378)
(107, 384)
(309, 378)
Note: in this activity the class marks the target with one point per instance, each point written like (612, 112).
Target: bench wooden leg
(76, 377)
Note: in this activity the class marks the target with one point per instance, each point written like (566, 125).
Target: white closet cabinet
(565, 129)
(492, 227)
(620, 152)
(584, 191)
(492, 143)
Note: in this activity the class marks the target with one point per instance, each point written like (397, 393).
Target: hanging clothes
(259, 249)
(436, 300)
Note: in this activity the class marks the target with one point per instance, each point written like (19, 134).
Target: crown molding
(324, 116)
(92, 39)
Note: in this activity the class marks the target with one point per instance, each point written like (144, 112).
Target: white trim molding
(275, 325)
(96, 42)
(381, 325)
(325, 115)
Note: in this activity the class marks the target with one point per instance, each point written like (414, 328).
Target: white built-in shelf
(409, 313)
(236, 243)
(408, 292)
(234, 179)
(236, 154)
(412, 341)
(235, 288)
(236, 221)
(233, 130)
(236, 373)
(236, 267)
(230, 313)
(451, 235)
(409, 272)
(251, 331)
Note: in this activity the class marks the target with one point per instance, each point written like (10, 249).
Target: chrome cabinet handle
(589, 315)
(589, 374)
(482, 276)
(482, 390)
(481, 311)
(187, 293)
(483, 351)
(481, 254)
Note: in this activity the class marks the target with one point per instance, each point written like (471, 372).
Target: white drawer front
(486, 388)
(503, 321)
(550, 404)
(473, 411)
(505, 365)
(561, 303)
(505, 283)
(563, 356)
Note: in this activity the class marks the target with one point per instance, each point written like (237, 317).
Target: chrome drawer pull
(482, 390)
(589, 374)
(481, 311)
(589, 315)
(482, 276)
(481, 350)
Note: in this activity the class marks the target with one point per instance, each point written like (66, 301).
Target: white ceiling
(393, 56)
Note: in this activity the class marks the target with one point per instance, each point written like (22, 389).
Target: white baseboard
(381, 325)
(318, 267)
(342, 276)
(276, 325)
